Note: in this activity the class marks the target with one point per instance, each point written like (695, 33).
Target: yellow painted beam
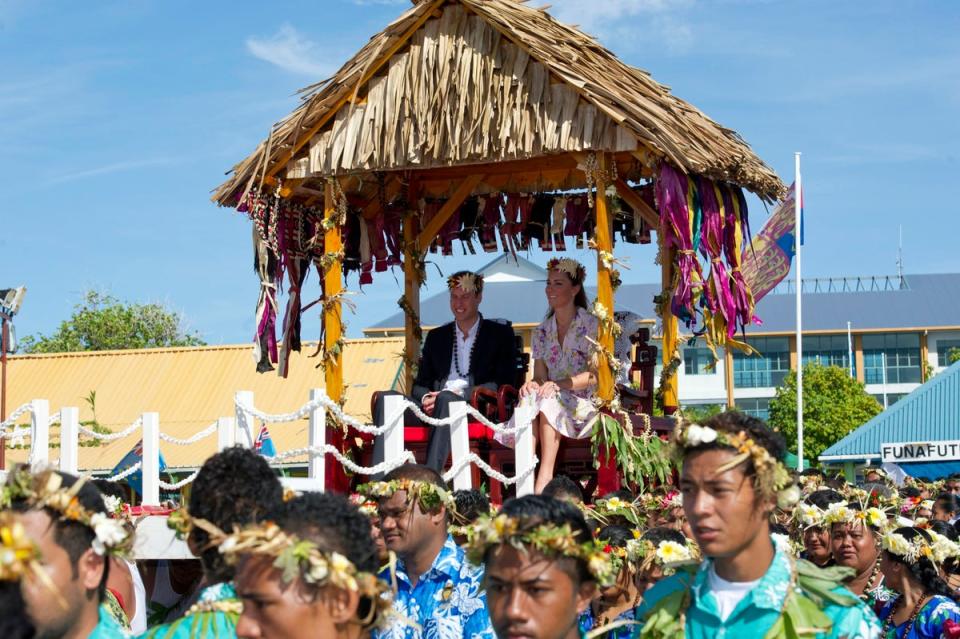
(332, 285)
(671, 331)
(604, 242)
(411, 284)
(437, 221)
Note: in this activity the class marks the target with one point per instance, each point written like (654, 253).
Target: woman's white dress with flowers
(571, 413)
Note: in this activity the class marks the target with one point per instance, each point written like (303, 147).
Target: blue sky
(118, 118)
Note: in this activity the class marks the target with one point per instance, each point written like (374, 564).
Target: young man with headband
(732, 478)
(436, 587)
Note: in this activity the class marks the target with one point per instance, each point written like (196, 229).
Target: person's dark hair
(14, 621)
(563, 486)
(823, 498)
(470, 505)
(944, 528)
(909, 491)
(660, 534)
(615, 535)
(811, 472)
(539, 509)
(779, 529)
(734, 422)
(949, 502)
(111, 489)
(235, 487)
(836, 480)
(478, 279)
(416, 472)
(335, 525)
(75, 538)
(623, 495)
(923, 570)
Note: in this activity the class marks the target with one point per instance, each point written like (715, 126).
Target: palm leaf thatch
(474, 82)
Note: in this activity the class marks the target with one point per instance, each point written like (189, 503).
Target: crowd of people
(736, 543)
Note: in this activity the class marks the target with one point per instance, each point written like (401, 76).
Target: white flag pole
(798, 207)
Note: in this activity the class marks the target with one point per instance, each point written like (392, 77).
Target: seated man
(456, 358)
(65, 517)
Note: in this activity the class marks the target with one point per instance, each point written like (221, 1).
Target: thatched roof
(471, 82)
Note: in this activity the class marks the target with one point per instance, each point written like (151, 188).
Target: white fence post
(245, 436)
(393, 444)
(316, 465)
(226, 432)
(39, 432)
(69, 439)
(151, 459)
(523, 451)
(460, 445)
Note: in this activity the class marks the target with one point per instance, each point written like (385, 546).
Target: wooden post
(40, 432)
(671, 330)
(151, 459)
(332, 285)
(69, 439)
(728, 376)
(411, 284)
(858, 358)
(924, 356)
(604, 240)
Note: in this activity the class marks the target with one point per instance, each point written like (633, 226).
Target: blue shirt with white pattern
(448, 601)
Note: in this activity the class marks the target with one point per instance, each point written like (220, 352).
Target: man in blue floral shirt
(436, 587)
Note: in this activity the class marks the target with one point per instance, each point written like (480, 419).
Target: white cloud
(592, 15)
(291, 51)
(107, 169)
(633, 21)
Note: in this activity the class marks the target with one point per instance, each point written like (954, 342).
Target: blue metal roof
(929, 413)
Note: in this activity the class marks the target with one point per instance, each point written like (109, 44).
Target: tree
(833, 405)
(101, 322)
(953, 355)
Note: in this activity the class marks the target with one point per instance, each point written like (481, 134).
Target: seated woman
(564, 380)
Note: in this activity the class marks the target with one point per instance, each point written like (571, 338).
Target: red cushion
(415, 434)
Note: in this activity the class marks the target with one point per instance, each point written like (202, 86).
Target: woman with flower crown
(564, 379)
(924, 606)
(855, 533)
(732, 478)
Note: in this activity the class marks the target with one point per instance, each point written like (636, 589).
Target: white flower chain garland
(473, 458)
(180, 484)
(109, 437)
(123, 475)
(15, 415)
(383, 467)
(206, 432)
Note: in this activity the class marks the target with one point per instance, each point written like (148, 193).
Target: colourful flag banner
(766, 261)
(135, 480)
(264, 444)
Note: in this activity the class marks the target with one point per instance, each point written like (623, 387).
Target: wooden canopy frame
(464, 97)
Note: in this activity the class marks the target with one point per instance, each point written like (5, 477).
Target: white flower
(787, 497)
(615, 503)
(698, 435)
(838, 512)
(671, 552)
(109, 532)
(113, 503)
(318, 570)
(876, 517)
(897, 545)
(810, 515)
(227, 546)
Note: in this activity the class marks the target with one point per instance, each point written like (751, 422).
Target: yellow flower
(615, 503)
(671, 552)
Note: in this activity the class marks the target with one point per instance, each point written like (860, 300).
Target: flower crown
(428, 495)
(911, 550)
(469, 282)
(809, 515)
(604, 509)
(549, 539)
(366, 506)
(667, 554)
(19, 556)
(841, 513)
(300, 557)
(773, 479)
(45, 490)
(574, 269)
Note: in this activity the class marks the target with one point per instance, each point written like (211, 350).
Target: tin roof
(190, 388)
(929, 413)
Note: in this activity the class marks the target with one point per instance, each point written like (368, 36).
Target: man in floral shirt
(436, 587)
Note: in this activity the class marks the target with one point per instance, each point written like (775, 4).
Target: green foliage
(698, 413)
(834, 404)
(953, 355)
(101, 322)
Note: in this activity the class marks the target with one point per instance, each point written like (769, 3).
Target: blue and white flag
(264, 444)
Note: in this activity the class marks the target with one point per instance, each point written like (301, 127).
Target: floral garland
(570, 267)
(366, 506)
(773, 479)
(841, 513)
(604, 509)
(668, 554)
(911, 550)
(45, 490)
(429, 496)
(808, 515)
(468, 282)
(546, 538)
(299, 557)
(20, 557)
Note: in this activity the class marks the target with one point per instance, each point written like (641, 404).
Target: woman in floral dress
(924, 607)
(564, 378)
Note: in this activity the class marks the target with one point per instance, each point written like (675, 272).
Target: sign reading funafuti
(899, 453)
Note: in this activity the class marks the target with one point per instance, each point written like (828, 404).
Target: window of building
(696, 361)
(758, 407)
(943, 350)
(827, 350)
(892, 398)
(900, 352)
(766, 369)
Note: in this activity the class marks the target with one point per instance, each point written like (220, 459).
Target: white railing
(240, 430)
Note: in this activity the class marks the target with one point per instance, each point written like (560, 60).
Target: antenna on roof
(900, 257)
